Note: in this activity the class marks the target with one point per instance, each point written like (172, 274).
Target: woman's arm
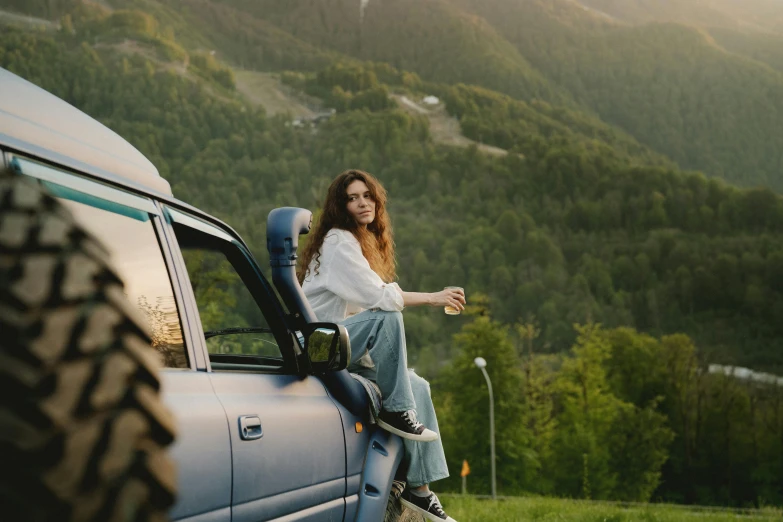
(351, 278)
(447, 297)
(416, 298)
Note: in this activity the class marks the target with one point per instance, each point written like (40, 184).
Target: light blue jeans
(378, 353)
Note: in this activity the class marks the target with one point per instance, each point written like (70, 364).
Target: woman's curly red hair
(376, 240)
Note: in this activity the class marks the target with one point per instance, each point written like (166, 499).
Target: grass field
(470, 509)
(265, 89)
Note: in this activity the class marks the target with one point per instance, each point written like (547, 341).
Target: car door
(130, 227)
(287, 439)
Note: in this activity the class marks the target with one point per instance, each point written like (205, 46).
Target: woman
(347, 272)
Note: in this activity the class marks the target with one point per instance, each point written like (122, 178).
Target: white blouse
(345, 284)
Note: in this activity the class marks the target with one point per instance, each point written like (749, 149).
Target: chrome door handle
(250, 427)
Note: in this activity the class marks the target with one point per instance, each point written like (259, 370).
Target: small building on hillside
(745, 374)
(315, 119)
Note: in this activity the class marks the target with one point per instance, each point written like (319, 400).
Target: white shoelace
(410, 418)
(434, 502)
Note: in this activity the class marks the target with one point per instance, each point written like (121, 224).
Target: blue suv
(270, 425)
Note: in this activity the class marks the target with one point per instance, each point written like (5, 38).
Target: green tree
(581, 449)
(465, 430)
(538, 402)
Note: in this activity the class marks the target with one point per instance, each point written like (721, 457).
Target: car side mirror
(327, 346)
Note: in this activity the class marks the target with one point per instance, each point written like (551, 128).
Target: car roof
(33, 121)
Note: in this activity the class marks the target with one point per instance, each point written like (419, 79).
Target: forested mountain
(430, 38)
(51, 9)
(766, 48)
(752, 28)
(678, 93)
(240, 38)
(670, 86)
(580, 223)
(590, 238)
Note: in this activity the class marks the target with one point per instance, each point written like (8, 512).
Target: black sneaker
(404, 424)
(429, 507)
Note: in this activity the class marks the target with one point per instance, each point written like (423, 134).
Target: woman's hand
(449, 297)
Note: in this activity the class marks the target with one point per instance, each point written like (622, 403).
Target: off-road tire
(82, 428)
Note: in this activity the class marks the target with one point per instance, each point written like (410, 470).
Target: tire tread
(84, 429)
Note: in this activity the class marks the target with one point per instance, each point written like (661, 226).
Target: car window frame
(246, 266)
(46, 173)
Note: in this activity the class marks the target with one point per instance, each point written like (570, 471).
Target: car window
(232, 305)
(124, 225)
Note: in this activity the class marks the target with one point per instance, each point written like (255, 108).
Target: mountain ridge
(757, 15)
(631, 75)
(683, 91)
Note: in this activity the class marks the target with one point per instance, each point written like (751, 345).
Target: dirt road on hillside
(444, 128)
(265, 89)
(27, 21)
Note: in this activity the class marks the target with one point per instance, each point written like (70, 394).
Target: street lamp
(482, 365)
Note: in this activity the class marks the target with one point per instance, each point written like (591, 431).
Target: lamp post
(482, 365)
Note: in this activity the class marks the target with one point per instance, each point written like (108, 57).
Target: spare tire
(83, 431)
